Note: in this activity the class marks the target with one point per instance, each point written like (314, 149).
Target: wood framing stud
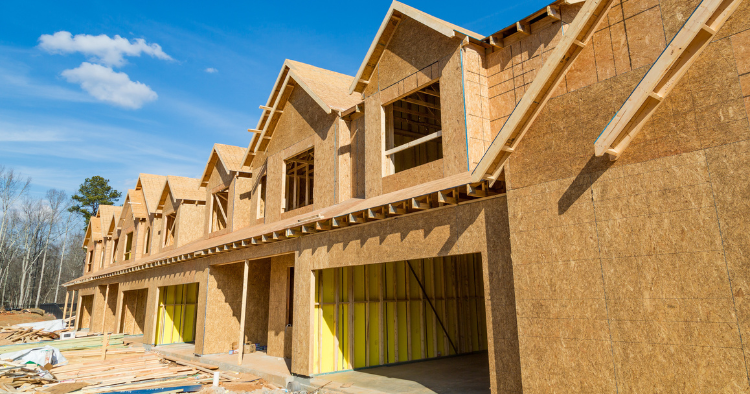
(666, 72)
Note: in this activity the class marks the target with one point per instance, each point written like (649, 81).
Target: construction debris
(125, 369)
(25, 335)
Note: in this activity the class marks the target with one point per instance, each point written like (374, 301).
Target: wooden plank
(105, 343)
(414, 143)
(539, 92)
(663, 76)
(243, 312)
(65, 306)
(104, 307)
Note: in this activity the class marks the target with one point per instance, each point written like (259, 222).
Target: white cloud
(211, 70)
(107, 85)
(101, 48)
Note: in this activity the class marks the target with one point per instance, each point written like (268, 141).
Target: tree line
(41, 238)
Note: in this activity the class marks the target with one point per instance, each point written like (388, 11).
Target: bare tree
(62, 254)
(57, 204)
(12, 187)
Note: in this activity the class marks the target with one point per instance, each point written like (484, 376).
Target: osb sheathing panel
(729, 167)
(225, 285)
(705, 109)
(413, 46)
(619, 276)
(373, 145)
(152, 279)
(277, 310)
(86, 307)
(452, 116)
(413, 176)
(477, 103)
(357, 154)
(190, 219)
(302, 124)
(133, 313)
(468, 228)
(242, 212)
(343, 170)
(157, 231)
(104, 311)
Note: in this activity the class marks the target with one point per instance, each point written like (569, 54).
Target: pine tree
(93, 192)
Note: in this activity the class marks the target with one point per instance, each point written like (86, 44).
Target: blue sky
(70, 108)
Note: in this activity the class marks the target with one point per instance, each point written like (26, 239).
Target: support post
(65, 307)
(241, 341)
(104, 307)
(105, 343)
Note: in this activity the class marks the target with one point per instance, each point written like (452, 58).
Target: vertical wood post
(105, 342)
(104, 307)
(65, 308)
(241, 341)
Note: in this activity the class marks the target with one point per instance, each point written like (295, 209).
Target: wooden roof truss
(666, 72)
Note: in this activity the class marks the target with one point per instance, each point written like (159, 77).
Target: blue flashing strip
(466, 122)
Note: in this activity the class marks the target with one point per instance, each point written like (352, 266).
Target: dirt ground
(12, 318)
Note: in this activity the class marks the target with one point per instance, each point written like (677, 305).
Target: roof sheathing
(232, 157)
(392, 18)
(182, 188)
(328, 88)
(151, 186)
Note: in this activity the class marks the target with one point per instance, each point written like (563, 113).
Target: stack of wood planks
(102, 364)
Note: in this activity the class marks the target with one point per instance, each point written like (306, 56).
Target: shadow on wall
(594, 168)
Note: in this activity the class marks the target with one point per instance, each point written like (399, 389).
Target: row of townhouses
(567, 196)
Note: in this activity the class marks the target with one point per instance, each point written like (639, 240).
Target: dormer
(227, 183)
(301, 151)
(426, 110)
(182, 206)
(151, 187)
(132, 219)
(92, 242)
(109, 216)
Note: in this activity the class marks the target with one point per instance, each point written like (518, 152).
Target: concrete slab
(466, 374)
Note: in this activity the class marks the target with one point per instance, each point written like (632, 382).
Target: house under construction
(567, 197)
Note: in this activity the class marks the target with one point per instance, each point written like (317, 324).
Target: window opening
(170, 226)
(262, 198)
(219, 210)
(300, 174)
(414, 130)
(129, 246)
(147, 242)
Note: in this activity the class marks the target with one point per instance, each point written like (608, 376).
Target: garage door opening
(175, 321)
(133, 318)
(397, 312)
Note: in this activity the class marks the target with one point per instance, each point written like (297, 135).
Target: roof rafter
(539, 92)
(666, 72)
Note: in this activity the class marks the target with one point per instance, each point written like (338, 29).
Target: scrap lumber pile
(9, 335)
(103, 364)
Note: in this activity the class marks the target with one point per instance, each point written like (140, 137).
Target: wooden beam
(664, 74)
(104, 307)
(323, 225)
(357, 218)
(422, 103)
(539, 92)
(414, 113)
(243, 311)
(420, 203)
(397, 208)
(414, 143)
(375, 213)
(447, 197)
(339, 222)
(292, 233)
